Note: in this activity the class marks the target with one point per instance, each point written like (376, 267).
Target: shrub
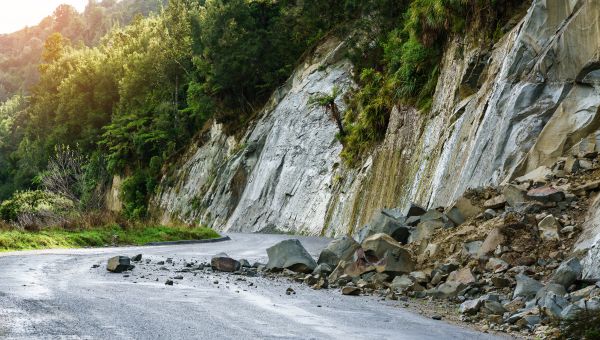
(36, 209)
(585, 325)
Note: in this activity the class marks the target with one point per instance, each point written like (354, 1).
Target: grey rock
(462, 210)
(350, 291)
(546, 194)
(119, 264)
(137, 258)
(493, 307)
(290, 254)
(553, 288)
(415, 210)
(401, 282)
(323, 269)
(447, 289)
(567, 272)
(244, 263)
(472, 248)
(387, 224)
(339, 249)
(552, 304)
(425, 230)
(470, 306)
(526, 286)
(514, 195)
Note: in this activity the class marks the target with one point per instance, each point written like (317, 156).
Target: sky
(16, 14)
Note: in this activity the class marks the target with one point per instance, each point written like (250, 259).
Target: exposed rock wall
(499, 111)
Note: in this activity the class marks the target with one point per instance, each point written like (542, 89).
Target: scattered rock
(348, 290)
(244, 263)
(119, 264)
(514, 195)
(137, 258)
(169, 282)
(290, 254)
(415, 210)
(222, 262)
(464, 276)
(290, 291)
(462, 210)
(546, 194)
(497, 202)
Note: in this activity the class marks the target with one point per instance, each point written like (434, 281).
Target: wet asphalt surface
(56, 294)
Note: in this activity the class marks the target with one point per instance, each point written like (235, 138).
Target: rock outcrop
(535, 102)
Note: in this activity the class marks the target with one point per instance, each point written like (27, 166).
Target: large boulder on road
(387, 222)
(290, 254)
(387, 254)
(119, 264)
(339, 249)
(222, 262)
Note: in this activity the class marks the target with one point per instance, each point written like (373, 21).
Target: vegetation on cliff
(127, 102)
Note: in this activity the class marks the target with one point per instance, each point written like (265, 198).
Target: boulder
(526, 286)
(494, 239)
(339, 249)
(425, 230)
(472, 248)
(419, 276)
(470, 306)
(497, 202)
(553, 288)
(539, 175)
(567, 272)
(348, 290)
(496, 265)
(436, 215)
(323, 269)
(462, 210)
(389, 223)
(387, 255)
(447, 289)
(493, 307)
(546, 195)
(245, 263)
(401, 282)
(290, 254)
(222, 262)
(552, 304)
(119, 264)
(514, 195)
(137, 258)
(464, 276)
(415, 210)
(549, 228)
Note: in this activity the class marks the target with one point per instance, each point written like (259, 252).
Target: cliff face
(498, 112)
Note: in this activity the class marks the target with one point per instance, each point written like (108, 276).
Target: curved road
(57, 294)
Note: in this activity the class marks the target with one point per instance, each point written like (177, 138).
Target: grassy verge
(98, 237)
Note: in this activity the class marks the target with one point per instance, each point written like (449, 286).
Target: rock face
(290, 254)
(537, 99)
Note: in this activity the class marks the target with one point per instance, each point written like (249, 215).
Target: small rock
(290, 291)
(436, 317)
(348, 290)
(178, 277)
(169, 282)
(339, 249)
(497, 202)
(470, 306)
(549, 227)
(244, 263)
(137, 258)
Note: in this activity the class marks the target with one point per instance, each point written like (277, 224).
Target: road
(57, 294)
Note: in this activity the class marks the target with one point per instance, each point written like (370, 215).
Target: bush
(36, 209)
(585, 326)
(135, 192)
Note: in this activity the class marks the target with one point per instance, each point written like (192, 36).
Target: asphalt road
(56, 294)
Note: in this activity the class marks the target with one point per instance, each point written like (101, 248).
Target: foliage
(32, 202)
(584, 325)
(98, 237)
(135, 192)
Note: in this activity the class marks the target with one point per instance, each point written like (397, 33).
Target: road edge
(170, 243)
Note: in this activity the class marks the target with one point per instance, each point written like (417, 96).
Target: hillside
(21, 51)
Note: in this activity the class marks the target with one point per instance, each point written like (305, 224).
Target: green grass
(111, 235)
